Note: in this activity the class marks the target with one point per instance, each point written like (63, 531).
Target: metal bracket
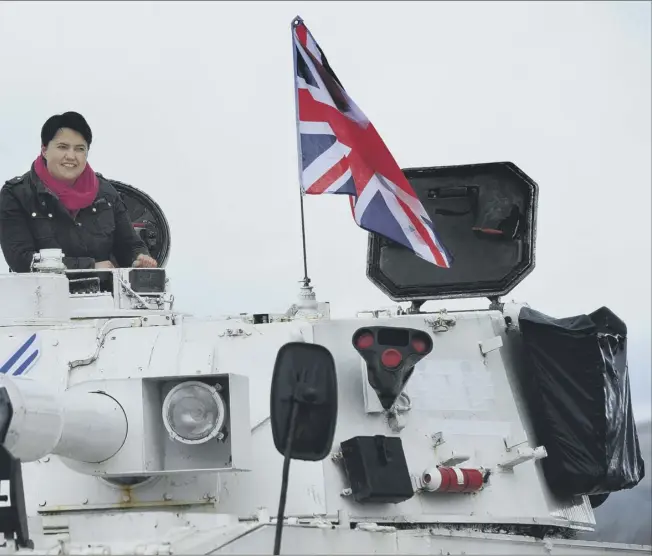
(233, 333)
(454, 459)
(396, 421)
(487, 346)
(442, 323)
(512, 441)
(437, 439)
(521, 456)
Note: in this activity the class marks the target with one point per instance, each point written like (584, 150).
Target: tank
(127, 427)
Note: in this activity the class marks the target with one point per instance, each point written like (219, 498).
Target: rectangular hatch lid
(484, 214)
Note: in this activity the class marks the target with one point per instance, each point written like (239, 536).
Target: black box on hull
(377, 469)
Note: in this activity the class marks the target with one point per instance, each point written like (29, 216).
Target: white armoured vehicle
(129, 428)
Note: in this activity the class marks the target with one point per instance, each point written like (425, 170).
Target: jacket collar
(38, 184)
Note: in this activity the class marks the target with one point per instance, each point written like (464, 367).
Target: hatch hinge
(496, 304)
(415, 307)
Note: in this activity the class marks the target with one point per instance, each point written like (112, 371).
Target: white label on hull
(451, 385)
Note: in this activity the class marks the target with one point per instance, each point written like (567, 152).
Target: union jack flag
(342, 153)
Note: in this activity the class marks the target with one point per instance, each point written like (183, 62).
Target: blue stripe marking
(12, 360)
(26, 363)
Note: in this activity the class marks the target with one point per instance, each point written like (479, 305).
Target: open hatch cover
(485, 215)
(148, 220)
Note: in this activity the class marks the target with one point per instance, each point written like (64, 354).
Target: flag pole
(308, 306)
(306, 280)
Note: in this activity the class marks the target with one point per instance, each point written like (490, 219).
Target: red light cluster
(391, 358)
(394, 349)
(365, 341)
(419, 345)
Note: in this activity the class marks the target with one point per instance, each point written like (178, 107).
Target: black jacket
(32, 218)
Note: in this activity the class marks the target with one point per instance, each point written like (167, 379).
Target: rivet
(167, 497)
(94, 209)
(50, 214)
(42, 503)
(85, 501)
(78, 223)
(46, 459)
(33, 215)
(126, 498)
(109, 204)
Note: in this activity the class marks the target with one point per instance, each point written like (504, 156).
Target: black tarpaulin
(577, 389)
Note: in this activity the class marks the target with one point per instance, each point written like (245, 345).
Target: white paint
(148, 448)
(94, 426)
(89, 427)
(33, 298)
(136, 359)
(37, 422)
(451, 384)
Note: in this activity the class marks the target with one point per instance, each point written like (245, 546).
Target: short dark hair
(71, 120)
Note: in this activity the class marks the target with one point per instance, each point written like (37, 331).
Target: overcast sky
(194, 103)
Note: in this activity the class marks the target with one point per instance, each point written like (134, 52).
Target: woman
(62, 203)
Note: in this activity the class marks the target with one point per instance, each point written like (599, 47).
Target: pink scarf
(77, 196)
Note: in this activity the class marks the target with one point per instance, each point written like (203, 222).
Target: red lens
(419, 345)
(391, 358)
(365, 341)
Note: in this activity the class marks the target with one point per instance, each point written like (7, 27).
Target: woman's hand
(104, 264)
(145, 261)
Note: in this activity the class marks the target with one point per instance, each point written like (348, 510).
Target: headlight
(193, 412)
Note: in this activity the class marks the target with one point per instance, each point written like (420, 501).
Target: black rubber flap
(577, 388)
(148, 219)
(485, 215)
